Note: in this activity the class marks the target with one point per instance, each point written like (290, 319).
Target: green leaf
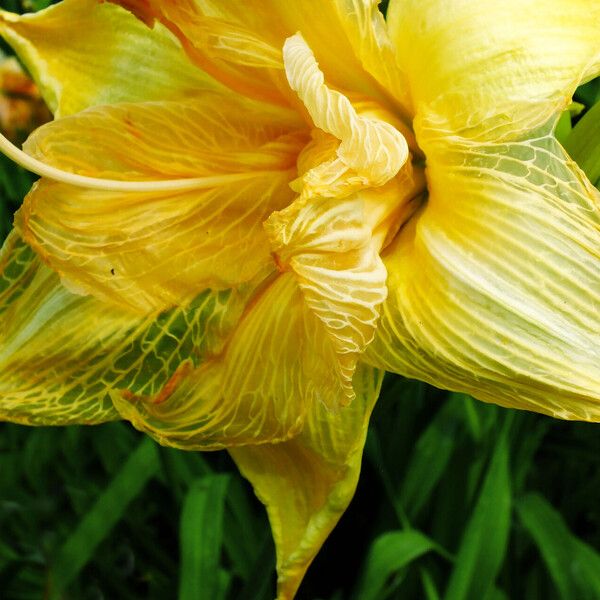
(97, 523)
(429, 588)
(484, 541)
(430, 457)
(572, 564)
(589, 93)
(201, 538)
(583, 144)
(563, 127)
(389, 553)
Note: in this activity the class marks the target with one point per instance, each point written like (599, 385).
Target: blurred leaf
(430, 457)
(260, 583)
(484, 542)
(102, 517)
(583, 143)
(589, 93)
(431, 592)
(563, 127)
(496, 594)
(201, 538)
(573, 565)
(389, 553)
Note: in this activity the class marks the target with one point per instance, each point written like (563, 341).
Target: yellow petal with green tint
(29, 394)
(83, 53)
(494, 287)
(257, 388)
(502, 63)
(239, 57)
(239, 42)
(153, 250)
(61, 353)
(308, 482)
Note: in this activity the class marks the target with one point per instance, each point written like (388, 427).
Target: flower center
(358, 147)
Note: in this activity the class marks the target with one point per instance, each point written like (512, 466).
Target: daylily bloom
(248, 210)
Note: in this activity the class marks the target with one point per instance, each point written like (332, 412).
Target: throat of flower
(114, 185)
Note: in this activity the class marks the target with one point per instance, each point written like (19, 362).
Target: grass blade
(583, 143)
(201, 539)
(484, 542)
(389, 553)
(573, 565)
(430, 457)
(97, 523)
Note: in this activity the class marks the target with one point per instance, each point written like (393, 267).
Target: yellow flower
(248, 209)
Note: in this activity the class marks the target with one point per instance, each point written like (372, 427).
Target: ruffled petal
(499, 64)
(372, 149)
(61, 354)
(329, 247)
(326, 237)
(308, 482)
(149, 251)
(83, 53)
(494, 287)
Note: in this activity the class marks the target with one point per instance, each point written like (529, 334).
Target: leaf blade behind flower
(201, 539)
(388, 554)
(485, 538)
(583, 143)
(572, 564)
(97, 523)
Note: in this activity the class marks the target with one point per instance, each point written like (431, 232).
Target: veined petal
(153, 250)
(221, 44)
(329, 247)
(371, 148)
(308, 482)
(257, 389)
(495, 286)
(239, 42)
(514, 64)
(83, 53)
(61, 353)
(366, 28)
(213, 134)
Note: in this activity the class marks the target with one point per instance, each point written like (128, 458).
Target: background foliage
(458, 500)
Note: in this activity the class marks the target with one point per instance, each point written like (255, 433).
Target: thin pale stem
(114, 185)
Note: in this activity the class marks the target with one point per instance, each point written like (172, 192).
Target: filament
(114, 185)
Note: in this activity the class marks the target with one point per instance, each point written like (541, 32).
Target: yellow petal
(61, 353)
(508, 64)
(495, 285)
(326, 237)
(329, 247)
(41, 387)
(150, 251)
(257, 389)
(373, 149)
(307, 482)
(236, 55)
(365, 27)
(83, 53)
(239, 42)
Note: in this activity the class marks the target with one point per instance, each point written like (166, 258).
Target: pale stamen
(114, 185)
